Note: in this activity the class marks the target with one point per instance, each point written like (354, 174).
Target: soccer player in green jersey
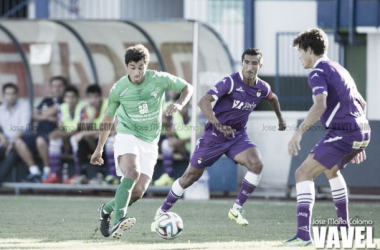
(137, 99)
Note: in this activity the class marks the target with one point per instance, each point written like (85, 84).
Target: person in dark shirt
(36, 142)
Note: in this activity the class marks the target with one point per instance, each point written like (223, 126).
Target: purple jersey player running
(236, 97)
(341, 109)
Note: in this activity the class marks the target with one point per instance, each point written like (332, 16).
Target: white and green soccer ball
(169, 226)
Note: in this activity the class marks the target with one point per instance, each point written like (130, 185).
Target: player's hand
(96, 158)
(359, 158)
(294, 144)
(226, 130)
(281, 124)
(172, 108)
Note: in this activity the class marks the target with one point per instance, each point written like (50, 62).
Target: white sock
(47, 170)
(177, 189)
(252, 178)
(237, 206)
(34, 170)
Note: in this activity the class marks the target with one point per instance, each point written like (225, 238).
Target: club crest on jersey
(258, 93)
(199, 160)
(154, 94)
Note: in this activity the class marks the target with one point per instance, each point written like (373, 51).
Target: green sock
(110, 206)
(122, 197)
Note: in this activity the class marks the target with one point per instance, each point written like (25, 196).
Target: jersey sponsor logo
(123, 93)
(315, 75)
(316, 88)
(154, 94)
(143, 107)
(243, 105)
(240, 89)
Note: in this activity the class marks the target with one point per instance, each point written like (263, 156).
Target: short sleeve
(113, 101)
(222, 88)
(317, 83)
(268, 91)
(174, 83)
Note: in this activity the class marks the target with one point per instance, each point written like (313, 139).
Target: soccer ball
(169, 226)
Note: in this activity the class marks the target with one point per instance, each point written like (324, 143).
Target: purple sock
(339, 195)
(55, 162)
(245, 191)
(170, 199)
(305, 202)
(174, 194)
(111, 162)
(341, 202)
(167, 158)
(77, 165)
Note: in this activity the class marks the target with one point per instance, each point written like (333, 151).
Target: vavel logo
(358, 237)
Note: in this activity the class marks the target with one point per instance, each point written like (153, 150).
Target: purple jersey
(344, 111)
(235, 100)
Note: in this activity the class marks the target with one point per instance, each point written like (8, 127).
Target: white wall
(276, 16)
(373, 75)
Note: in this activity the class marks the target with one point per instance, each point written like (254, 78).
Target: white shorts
(147, 153)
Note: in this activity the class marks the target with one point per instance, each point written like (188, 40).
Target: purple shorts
(207, 151)
(339, 149)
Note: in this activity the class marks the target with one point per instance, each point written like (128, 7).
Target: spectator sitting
(178, 140)
(14, 120)
(36, 142)
(69, 116)
(85, 141)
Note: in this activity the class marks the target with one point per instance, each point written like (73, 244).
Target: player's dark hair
(136, 53)
(60, 78)
(72, 89)
(10, 85)
(315, 38)
(252, 52)
(94, 89)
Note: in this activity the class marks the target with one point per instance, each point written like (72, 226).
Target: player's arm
(275, 105)
(106, 126)
(205, 105)
(186, 94)
(315, 112)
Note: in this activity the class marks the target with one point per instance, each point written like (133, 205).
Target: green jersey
(139, 107)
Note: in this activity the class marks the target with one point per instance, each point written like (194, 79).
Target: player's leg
(43, 151)
(305, 174)
(251, 159)
(55, 153)
(22, 149)
(191, 175)
(339, 195)
(129, 168)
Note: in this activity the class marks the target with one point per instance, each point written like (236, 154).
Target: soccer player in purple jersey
(341, 109)
(236, 97)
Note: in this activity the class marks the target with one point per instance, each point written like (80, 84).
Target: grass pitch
(60, 222)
